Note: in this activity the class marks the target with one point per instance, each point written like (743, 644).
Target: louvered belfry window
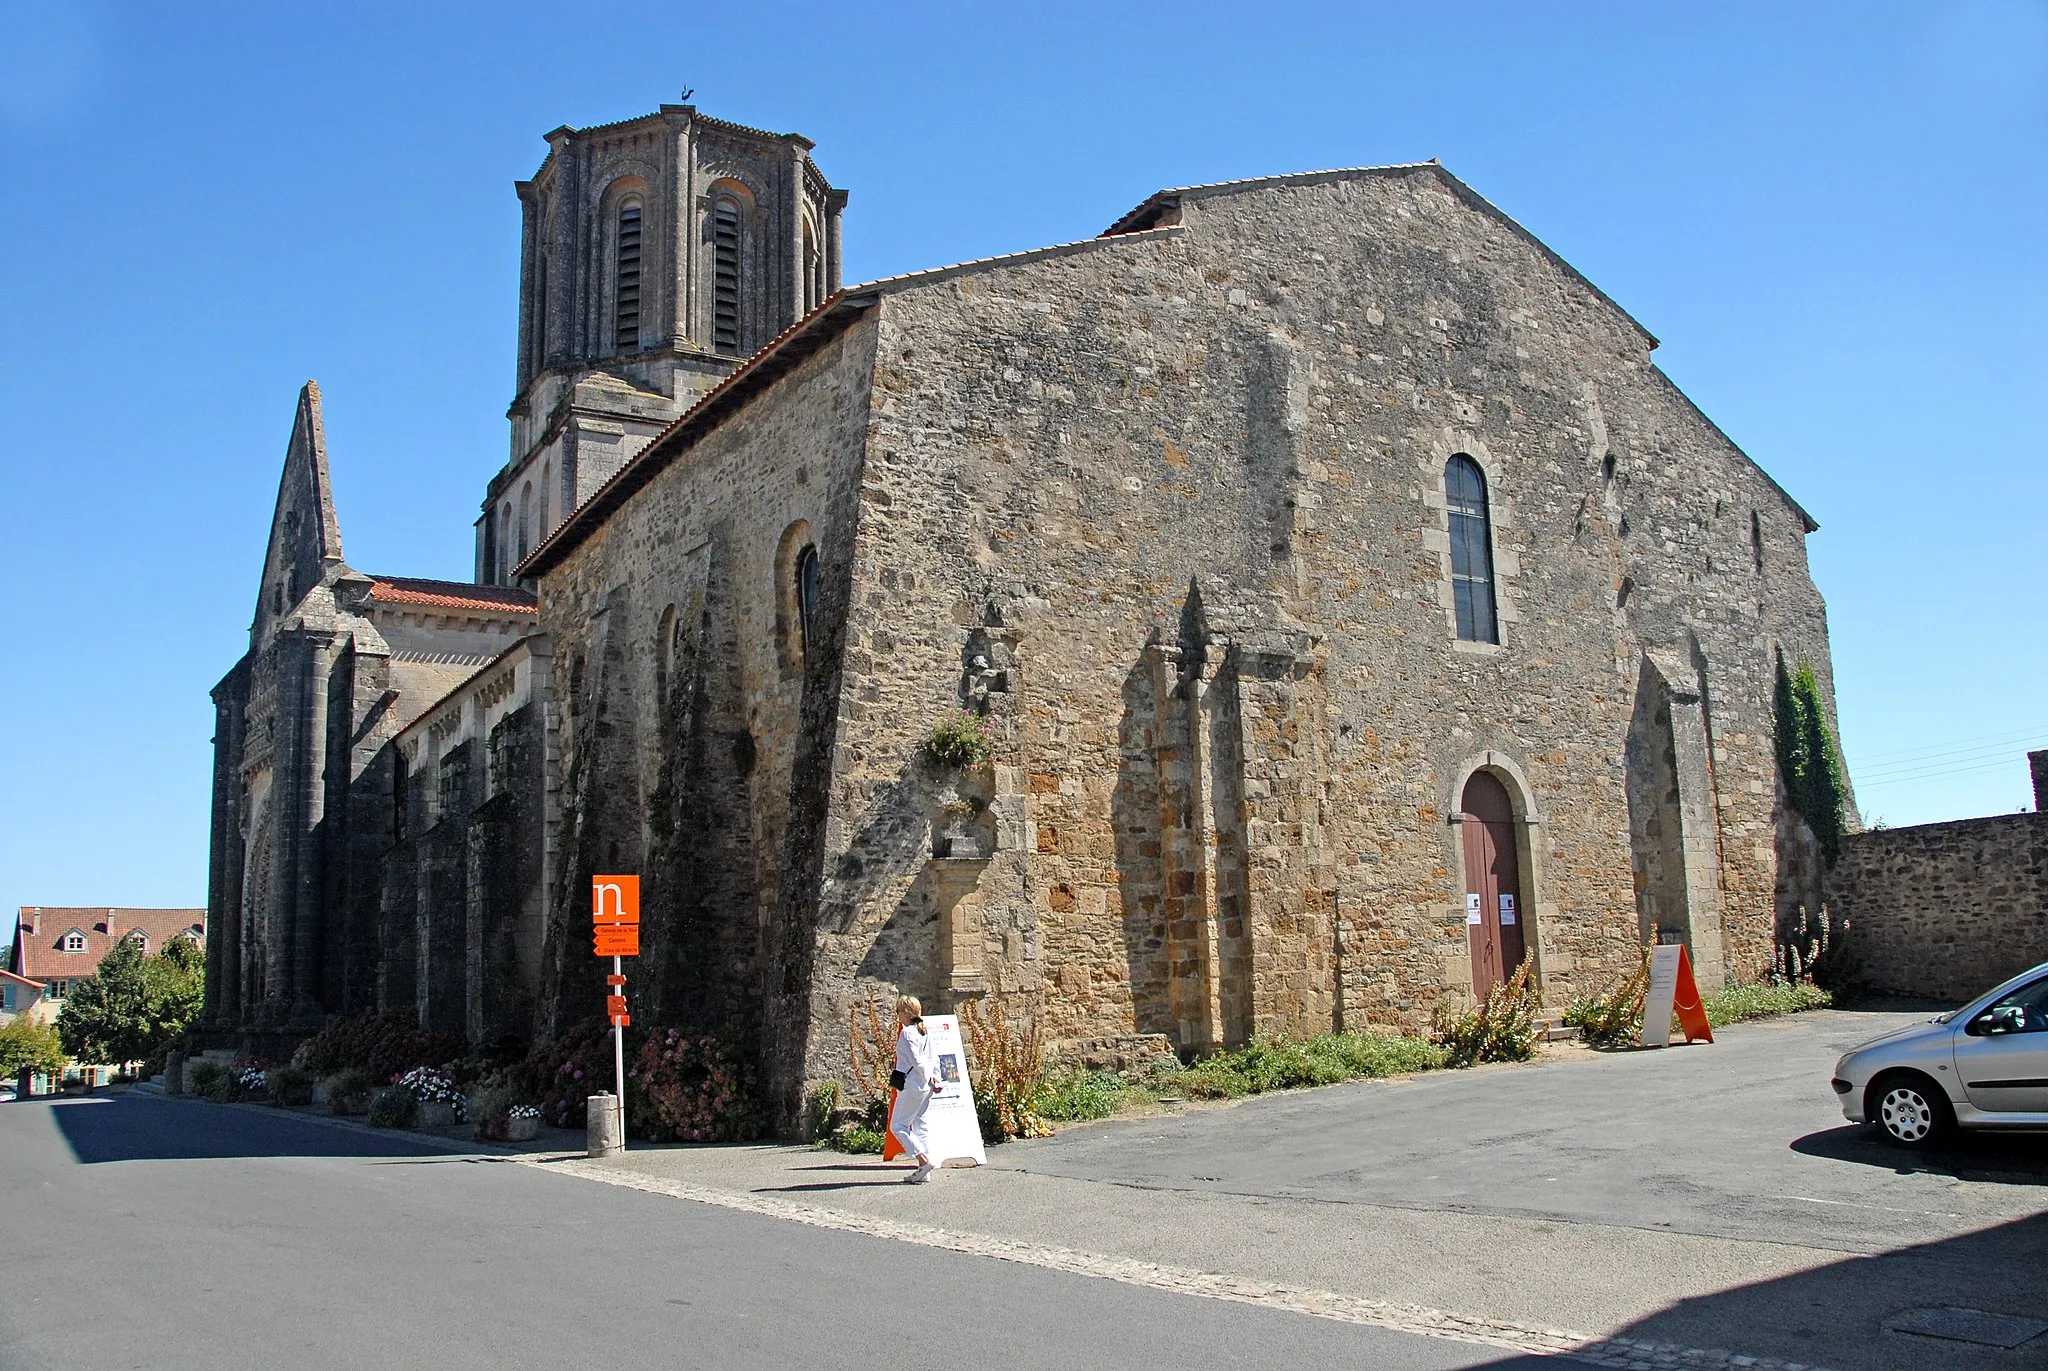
(725, 281)
(627, 294)
(1471, 550)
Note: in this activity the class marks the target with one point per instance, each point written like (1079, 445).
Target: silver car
(1982, 1066)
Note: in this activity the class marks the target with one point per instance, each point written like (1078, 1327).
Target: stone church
(1354, 611)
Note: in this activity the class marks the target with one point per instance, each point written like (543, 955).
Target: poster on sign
(949, 1119)
(1672, 990)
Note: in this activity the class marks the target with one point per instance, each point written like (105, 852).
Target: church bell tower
(658, 254)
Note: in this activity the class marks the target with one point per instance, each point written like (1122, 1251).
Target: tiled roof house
(56, 945)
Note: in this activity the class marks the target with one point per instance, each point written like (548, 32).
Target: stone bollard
(604, 1135)
(174, 1072)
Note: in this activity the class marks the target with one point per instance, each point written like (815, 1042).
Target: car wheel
(1911, 1111)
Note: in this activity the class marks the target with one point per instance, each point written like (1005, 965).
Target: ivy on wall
(1809, 761)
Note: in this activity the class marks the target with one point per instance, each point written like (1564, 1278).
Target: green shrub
(960, 742)
(818, 1111)
(988, 1114)
(490, 1107)
(1501, 1028)
(1763, 1001)
(394, 1107)
(1615, 1015)
(348, 1091)
(288, 1085)
(1293, 1063)
(851, 1137)
(1075, 1095)
(202, 1077)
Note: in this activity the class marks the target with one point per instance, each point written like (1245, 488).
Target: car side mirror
(2008, 1018)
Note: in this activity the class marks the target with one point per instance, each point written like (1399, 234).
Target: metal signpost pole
(619, 1052)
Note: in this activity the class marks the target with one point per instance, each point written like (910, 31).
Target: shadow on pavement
(122, 1130)
(2012, 1158)
(1835, 1315)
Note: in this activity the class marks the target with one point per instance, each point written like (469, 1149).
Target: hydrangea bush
(680, 1087)
(694, 1090)
(384, 1044)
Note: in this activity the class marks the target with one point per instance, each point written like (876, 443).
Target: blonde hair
(910, 1003)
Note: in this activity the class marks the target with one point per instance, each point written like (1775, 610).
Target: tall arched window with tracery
(1471, 550)
(725, 276)
(626, 277)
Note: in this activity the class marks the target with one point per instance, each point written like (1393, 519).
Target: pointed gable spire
(305, 535)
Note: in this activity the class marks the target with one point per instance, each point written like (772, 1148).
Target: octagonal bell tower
(657, 255)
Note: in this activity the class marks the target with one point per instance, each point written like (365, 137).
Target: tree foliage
(1809, 761)
(26, 1045)
(136, 1006)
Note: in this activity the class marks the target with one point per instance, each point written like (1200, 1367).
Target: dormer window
(74, 941)
(626, 280)
(140, 939)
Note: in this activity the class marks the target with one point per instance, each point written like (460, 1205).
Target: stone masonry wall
(1944, 911)
(1194, 476)
(696, 719)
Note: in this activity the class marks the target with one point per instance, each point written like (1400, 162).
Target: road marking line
(1880, 1208)
(1322, 1304)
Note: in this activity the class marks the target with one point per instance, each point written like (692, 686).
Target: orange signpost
(615, 933)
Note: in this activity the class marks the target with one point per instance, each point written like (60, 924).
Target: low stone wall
(1944, 911)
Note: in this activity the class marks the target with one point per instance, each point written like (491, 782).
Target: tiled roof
(19, 980)
(40, 955)
(412, 590)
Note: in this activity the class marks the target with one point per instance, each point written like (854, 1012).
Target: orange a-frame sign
(1672, 991)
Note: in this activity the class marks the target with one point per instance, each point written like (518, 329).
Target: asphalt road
(170, 1234)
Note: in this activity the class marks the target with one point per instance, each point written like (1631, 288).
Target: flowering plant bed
(680, 1087)
(435, 1093)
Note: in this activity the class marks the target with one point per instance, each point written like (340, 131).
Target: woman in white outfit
(917, 1072)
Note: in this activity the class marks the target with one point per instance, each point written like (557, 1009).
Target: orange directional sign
(615, 915)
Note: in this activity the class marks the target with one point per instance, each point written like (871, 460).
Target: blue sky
(1831, 215)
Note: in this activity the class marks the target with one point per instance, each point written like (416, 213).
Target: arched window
(725, 276)
(543, 528)
(814, 270)
(505, 543)
(807, 596)
(1471, 550)
(525, 520)
(626, 279)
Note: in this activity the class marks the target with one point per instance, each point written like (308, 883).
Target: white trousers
(906, 1120)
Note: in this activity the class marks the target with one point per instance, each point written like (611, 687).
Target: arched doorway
(1494, 907)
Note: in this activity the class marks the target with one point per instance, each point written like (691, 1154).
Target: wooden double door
(1495, 913)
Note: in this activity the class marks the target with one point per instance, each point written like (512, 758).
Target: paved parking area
(1710, 1197)
(1741, 1139)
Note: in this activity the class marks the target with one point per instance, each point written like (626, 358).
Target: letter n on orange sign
(615, 915)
